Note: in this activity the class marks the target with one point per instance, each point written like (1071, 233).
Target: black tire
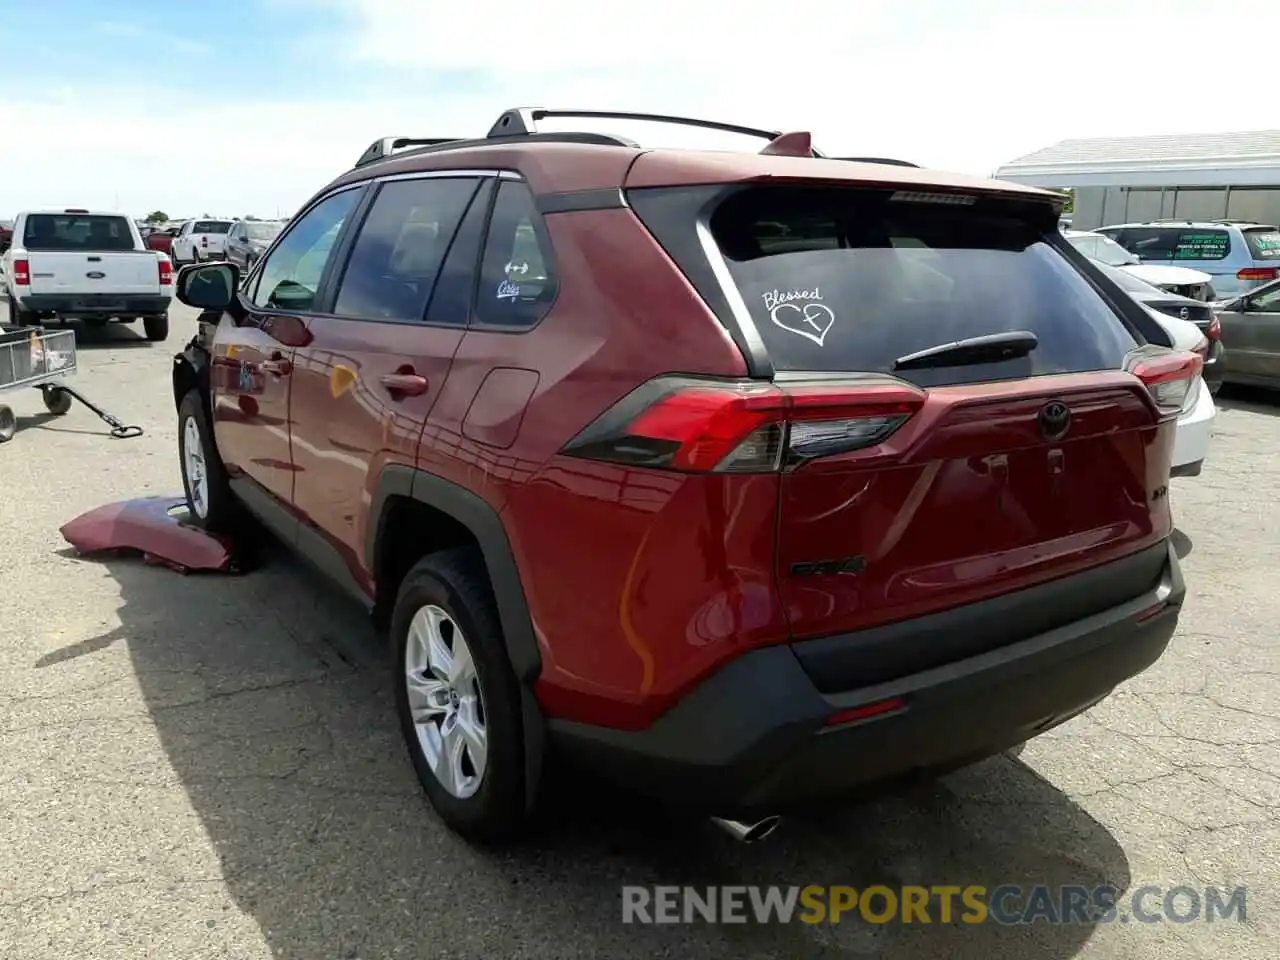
(8, 423)
(1215, 388)
(456, 581)
(56, 400)
(18, 317)
(156, 328)
(221, 512)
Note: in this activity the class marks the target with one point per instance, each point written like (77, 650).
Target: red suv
(743, 479)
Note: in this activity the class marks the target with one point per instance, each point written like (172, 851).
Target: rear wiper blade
(992, 348)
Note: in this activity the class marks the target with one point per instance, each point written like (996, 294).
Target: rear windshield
(1263, 244)
(211, 226)
(263, 231)
(50, 231)
(851, 280)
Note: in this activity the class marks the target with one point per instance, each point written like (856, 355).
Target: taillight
(1214, 330)
(22, 273)
(166, 272)
(713, 427)
(1258, 273)
(1169, 377)
(204, 241)
(1202, 348)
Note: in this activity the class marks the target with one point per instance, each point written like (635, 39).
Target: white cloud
(960, 85)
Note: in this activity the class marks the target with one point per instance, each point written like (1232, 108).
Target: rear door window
(851, 280)
(400, 247)
(1202, 245)
(50, 232)
(1263, 244)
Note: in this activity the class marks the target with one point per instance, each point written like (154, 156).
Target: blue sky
(248, 106)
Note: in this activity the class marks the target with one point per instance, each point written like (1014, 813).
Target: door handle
(277, 365)
(404, 384)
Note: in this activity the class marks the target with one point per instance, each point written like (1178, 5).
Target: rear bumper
(753, 738)
(95, 304)
(1195, 430)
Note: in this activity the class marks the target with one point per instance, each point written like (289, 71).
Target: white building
(1209, 176)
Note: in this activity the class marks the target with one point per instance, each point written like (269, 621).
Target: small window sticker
(508, 290)
(801, 312)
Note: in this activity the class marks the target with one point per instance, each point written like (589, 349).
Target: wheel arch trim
(486, 525)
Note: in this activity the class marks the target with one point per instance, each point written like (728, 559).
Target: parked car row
(197, 241)
(868, 477)
(1229, 274)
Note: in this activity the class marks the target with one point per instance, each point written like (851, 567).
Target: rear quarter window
(1202, 245)
(850, 280)
(1263, 244)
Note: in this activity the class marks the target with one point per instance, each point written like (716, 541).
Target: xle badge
(828, 568)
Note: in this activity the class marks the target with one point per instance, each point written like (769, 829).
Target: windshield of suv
(852, 280)
(262, 231)
(211, 226)
(50, 231)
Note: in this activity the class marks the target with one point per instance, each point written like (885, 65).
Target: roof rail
(384, 147)
(524, 121)
(521, 124)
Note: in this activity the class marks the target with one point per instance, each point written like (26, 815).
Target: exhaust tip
(752, 832)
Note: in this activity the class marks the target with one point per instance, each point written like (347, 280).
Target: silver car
(1251, 332)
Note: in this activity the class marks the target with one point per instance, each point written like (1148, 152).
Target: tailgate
(89, 272)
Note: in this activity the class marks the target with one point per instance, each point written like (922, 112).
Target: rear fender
(487, 527)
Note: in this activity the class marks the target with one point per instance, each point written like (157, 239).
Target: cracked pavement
(209, 767)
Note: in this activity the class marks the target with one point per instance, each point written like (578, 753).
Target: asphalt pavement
(205, 766)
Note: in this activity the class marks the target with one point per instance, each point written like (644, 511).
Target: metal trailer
(39, 358)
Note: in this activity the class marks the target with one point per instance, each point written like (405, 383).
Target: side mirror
(208, 286)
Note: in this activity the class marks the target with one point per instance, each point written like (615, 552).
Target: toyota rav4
(744, 479)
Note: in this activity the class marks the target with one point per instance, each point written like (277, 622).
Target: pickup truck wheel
(8, 423)
(457, 697)
(156, 328)
(18, 317)
(204, 479)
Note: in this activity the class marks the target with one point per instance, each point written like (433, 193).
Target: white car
(200, 240)
(1195, 424)
(1195, 284)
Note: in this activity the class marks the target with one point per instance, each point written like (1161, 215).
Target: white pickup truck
(200, 240)
(88, 266)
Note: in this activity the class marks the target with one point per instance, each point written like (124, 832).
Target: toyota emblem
(1055, 420)
(1184, 313)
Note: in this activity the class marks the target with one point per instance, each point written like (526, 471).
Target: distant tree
(206, 214)
(250, 216)
(157, 216)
